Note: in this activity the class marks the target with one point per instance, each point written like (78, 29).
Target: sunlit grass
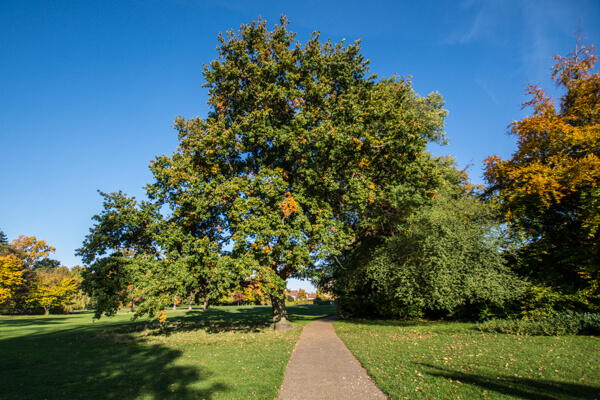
(453, 361)
(226, 353)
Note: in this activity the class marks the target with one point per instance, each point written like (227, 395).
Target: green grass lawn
(224, 353)
(452, 361)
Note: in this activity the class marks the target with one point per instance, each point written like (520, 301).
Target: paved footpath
(321, 367)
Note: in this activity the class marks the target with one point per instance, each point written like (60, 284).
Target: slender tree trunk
(175, 303)
(204, 305)
(132, 304)
(280, 316)
(46, 310)
(191, 302)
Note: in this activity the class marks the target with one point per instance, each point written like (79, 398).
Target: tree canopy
(293, 163)
(32, 250)
(550, 187)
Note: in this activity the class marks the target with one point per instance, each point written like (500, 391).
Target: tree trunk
(191, 302)
(132, 304)
(204, 305)
(46, 310)
(280, 316)
(175, 303)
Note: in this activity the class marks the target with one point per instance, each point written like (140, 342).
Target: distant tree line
(31, 282)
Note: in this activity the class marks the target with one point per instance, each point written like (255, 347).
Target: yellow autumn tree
(11, 276)
(32, 249)
(550, 188)
(301, 295)
(52, 288)
(29, 279)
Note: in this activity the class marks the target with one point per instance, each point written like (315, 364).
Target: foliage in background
(3, 238)
(566, 323)
(301, 296)
(550, 189)
(30, 280)
(32, 250)
(80, 300)
(11, 277)
(51, 288)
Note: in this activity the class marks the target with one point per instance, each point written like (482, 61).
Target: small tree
(80, 301)
(52, 288)
(301, 295)
(22, 257)
(238, 297)
(3, 238)
(33, 250)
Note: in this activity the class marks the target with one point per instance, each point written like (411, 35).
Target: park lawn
(438, 360)
(224, 353)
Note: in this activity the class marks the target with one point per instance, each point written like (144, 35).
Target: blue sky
(89, 90)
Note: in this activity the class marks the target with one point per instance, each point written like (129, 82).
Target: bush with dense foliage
(447, 257)
(566, 323)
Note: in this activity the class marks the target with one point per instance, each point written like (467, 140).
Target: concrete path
(322, 367)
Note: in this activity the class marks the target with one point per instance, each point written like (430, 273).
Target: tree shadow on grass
(80, 365)
(238, 320)
(245, 319)
(210, 327)
(524, 388)
(91, 361)
(10, 321)
(389, 322)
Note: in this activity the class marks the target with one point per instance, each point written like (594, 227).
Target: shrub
(353, 306)
(565, 323)
(378, 306)
(322, 301)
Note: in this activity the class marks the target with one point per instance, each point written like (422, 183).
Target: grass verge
(436, 360)
(224, 353)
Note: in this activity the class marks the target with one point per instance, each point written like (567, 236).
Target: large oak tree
(293, 162)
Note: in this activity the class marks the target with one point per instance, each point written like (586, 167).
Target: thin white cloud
(485, 86)
(474, 20)
(549, 24)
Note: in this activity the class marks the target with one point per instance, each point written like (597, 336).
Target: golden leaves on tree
(289, 206)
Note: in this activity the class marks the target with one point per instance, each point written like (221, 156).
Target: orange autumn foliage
(558, 151)
(550, 188)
